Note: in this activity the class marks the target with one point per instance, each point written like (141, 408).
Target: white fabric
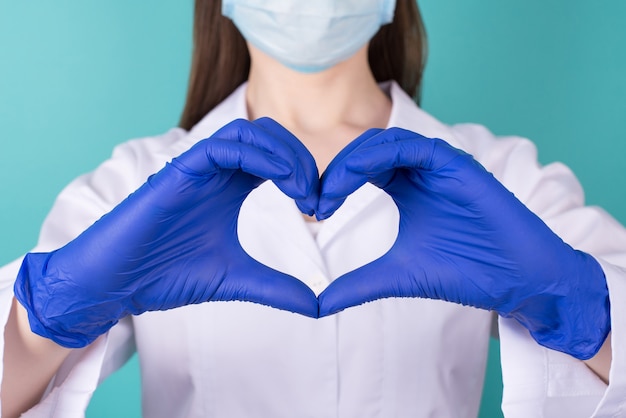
(394, 357)
(314, 228)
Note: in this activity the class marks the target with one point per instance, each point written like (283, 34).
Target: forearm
(30, 362)
(600, 364)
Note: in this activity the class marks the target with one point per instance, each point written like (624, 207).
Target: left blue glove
(174, 241)
(465, 238)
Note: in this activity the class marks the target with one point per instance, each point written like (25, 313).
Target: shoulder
(513, 160)
(133, 161)
(492, 151)
(129, 165)
(472, 138)
(147, 153)
(91, 195)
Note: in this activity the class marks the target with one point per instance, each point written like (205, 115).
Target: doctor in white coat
(170, 270)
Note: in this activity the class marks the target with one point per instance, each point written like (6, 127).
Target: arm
(465, 238)
(538, 381)
(554, 194)
(30, 362)
(600, 364)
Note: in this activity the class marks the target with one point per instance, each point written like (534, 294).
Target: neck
(344, 97)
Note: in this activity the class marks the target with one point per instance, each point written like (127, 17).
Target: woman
(364, 361)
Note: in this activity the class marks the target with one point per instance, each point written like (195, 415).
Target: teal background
(76, 78)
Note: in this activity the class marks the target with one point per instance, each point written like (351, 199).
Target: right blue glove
(465, 238)
(174, 241)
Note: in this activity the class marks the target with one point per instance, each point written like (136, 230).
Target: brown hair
(220, 60)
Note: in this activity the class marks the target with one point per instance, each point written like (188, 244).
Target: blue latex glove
(465, 238)
(174, 241)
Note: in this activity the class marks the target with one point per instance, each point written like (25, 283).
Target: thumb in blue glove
(465, 238)
(174, 241)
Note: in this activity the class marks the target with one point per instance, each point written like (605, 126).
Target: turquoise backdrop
(76, 78)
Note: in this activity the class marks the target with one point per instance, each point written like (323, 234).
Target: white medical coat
(389, 358)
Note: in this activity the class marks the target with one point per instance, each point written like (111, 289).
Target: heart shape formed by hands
(463, 238)
(278, 243)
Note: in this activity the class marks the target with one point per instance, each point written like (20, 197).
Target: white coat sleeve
(77, 207)
(540, 382)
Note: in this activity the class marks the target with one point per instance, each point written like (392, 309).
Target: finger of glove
(307, 171)
(376, 280)
(211, 156)
(297, 184)
(254, 282)
(348, 149)
(432, 163)
(339, 181)
(330, 203)
(416, 153)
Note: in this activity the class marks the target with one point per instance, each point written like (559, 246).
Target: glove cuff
(55, 308)
(577, 322)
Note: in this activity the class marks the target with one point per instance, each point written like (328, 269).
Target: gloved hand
(465, 238)
(174, 241)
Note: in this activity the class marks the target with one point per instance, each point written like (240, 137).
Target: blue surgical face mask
(309, 35)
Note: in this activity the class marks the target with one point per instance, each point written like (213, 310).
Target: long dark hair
(220, 60)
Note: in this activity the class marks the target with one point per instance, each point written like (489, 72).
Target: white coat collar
(280, 213)
(404, 114)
